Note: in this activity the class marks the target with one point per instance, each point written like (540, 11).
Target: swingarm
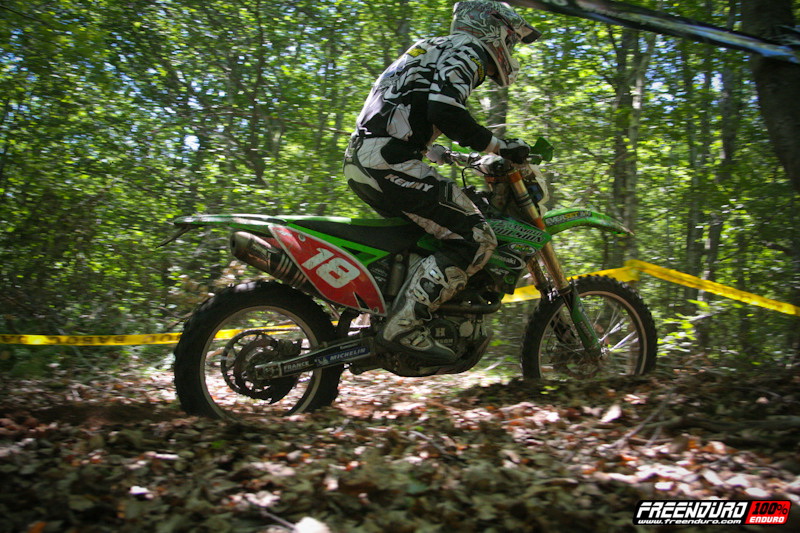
(327, 354)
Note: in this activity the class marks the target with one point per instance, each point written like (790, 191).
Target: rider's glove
(515, 150)
(438, 154)
(492, 165)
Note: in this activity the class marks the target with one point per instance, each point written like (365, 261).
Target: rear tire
(207, 375)
(551, 348)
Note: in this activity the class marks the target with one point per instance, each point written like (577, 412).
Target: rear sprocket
(256, 347)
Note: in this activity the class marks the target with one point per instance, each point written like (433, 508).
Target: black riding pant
(416, 191)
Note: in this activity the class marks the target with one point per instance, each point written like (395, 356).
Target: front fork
(548, 257)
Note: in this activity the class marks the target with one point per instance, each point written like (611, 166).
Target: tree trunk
(629, 87)
(498, 111)
(778, 85)
(730, 105)
(777, 82)
(698, 135)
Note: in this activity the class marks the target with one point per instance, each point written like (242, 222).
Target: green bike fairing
(371, 239)
(368, 239)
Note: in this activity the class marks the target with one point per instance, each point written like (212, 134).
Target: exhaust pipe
(270, 258)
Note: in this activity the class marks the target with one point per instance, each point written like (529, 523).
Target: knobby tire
(551, 348)
(197, 348)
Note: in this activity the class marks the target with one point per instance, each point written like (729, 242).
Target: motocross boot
(432, 282)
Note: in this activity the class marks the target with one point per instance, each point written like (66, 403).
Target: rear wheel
(552, 349)
(240, 328)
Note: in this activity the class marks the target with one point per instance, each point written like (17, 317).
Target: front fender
(563, 219)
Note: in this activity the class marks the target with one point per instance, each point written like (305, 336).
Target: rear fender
(261, 223)
(335, 274)
(564, 219)
(253, 223)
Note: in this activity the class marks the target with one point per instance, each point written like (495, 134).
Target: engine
(465, 335)
(455, 332)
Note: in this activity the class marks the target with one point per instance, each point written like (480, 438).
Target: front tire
(212, 355)
(552, 349)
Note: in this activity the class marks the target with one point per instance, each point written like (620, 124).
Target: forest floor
(463, 453)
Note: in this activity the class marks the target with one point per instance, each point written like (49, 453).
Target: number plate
(336, 274)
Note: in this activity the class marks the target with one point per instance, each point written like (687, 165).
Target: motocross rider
(420, 96)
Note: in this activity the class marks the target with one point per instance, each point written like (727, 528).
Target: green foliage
(118, 116)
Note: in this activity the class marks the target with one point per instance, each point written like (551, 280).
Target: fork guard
(564, 219)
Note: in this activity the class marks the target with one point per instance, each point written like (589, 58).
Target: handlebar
(471, 160)
(541, 151)
(459, 158)
(528, 184)
(492, 167)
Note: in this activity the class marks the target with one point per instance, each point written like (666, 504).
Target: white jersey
(423, 94)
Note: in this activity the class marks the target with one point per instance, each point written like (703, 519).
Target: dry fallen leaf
(391, 455)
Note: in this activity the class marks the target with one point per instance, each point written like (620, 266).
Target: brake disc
(255, 347)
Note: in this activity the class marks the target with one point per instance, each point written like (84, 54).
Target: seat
(389, 234)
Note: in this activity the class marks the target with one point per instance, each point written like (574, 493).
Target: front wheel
(236, 330)
(552, 349)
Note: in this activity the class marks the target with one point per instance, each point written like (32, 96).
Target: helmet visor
(529, 34)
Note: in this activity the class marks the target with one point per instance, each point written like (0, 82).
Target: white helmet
(498, 28)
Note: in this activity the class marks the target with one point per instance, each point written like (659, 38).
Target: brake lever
(461, 159)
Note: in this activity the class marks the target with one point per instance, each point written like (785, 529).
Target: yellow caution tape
(522, 294)
(673, 276)
(632, 268)
(630, 272)
(90, 340)
(112, 340)
(529, 292)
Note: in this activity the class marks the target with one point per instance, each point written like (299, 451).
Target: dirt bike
(282, 345)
